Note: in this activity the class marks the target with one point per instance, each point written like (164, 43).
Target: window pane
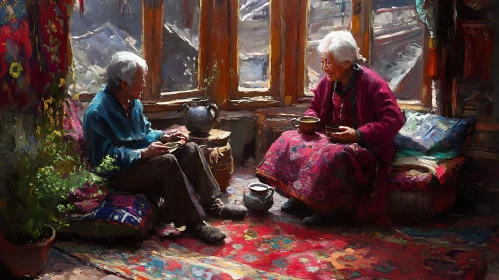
(103, 29)
(397, 51)
(324, 17)
(179, 67)
(254, 37)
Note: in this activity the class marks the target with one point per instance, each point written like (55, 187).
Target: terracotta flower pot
(25, 260)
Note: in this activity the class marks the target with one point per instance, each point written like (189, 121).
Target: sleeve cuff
(360, 136)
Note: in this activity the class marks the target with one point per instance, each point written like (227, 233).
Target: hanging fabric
(479, 48)
(427, 11)
(477, 5)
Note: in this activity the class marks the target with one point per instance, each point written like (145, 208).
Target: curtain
(428, 11)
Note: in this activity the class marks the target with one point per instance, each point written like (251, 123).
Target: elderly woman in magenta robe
(344, 174)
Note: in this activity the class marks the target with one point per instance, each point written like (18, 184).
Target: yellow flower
(15, 70)
(54, 28)
(46, 103)
(61, 82)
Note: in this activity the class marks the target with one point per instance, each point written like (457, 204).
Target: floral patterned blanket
(324, 175)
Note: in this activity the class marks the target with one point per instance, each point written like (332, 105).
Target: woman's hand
(155, 149)
(345, 135)
(174, 136)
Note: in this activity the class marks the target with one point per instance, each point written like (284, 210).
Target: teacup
(332, 129)
(307, 124)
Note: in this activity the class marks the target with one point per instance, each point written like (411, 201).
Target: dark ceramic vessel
(200, 116)
(258, 197)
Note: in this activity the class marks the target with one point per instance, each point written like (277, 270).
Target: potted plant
(33, 199)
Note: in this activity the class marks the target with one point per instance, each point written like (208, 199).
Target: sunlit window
(179, 58)
(324, 16)
(254, 37)
(104, 28)
(397, 50)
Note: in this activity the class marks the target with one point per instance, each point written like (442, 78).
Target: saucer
(173, 146)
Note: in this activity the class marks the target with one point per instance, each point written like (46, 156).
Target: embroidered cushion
(118, 215)
(422, 192)
(410, 178)
(430, 134)
(88, 197)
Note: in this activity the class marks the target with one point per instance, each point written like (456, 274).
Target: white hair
(341, 45)
(123, 67)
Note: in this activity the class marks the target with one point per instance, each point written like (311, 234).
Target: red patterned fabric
(88, 197)
(448, 171)
(322, 174)
(19, 37)
(413, 179)
(436, 192)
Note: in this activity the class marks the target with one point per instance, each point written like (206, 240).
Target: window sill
(413, 105)
(256, 102)
(162, 106)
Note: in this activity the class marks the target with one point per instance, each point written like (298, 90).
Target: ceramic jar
(258, 197)
(200, 116)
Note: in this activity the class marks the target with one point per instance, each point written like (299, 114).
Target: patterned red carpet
(277, 246)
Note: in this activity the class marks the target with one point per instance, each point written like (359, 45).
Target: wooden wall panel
(233, 47)
(152, 36)
(361, 26)
(293, 21)
(275, 48)
(218, 53)
(204, 41)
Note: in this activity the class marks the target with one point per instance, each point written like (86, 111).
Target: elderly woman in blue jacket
(114, 125)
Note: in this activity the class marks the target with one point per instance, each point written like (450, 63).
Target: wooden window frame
(362, 31)
(152, 38)
(288, 25)
(219, 46)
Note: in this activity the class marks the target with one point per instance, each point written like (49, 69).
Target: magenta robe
(379, 118)
(378, 113)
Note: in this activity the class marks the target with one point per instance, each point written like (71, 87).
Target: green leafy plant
(209, 81)
(35, 194)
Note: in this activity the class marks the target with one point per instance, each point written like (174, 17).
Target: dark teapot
(200, 116)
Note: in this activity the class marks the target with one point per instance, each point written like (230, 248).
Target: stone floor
(62, 266)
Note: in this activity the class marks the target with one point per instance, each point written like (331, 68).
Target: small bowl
(306, 124)
(332, 129)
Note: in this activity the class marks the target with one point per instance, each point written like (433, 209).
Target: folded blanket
(424, 163)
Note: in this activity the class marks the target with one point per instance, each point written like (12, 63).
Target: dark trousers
(183, 179)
